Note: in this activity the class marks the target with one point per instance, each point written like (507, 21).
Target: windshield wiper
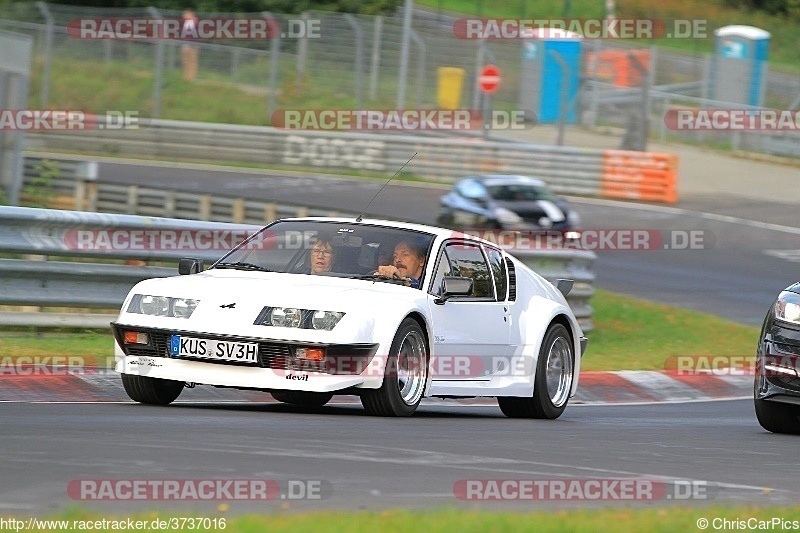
(241, 265)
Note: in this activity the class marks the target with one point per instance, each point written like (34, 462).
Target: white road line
(687, 212)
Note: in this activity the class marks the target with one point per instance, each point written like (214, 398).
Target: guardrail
(567, 170)
(53, 282)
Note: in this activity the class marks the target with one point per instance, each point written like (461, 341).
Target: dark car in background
(505, 202)
(777, 383)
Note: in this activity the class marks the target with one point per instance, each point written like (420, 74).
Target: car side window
(498, 272)
(443, 269)
(467, 261)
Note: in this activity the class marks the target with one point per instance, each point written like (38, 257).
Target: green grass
(95, 348)
(634, 334)
(621, 520)
(629, 334)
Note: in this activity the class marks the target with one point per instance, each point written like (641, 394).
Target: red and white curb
(596, 388)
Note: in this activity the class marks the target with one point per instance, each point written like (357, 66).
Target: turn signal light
(312, 354)
(136, 337)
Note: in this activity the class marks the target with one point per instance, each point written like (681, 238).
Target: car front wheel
(553, 381)
(404, 377)
(778, 417)
(151, 391)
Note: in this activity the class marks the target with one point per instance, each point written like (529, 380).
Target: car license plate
(245, 352)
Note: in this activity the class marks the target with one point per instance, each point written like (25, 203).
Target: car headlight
(285, 317)
(505, 216)
(326, 320)
(787, 308)
(146, 304)
(290, 317)
(183, 307)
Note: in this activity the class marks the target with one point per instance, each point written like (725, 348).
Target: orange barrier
(615, 66)
(639, 176)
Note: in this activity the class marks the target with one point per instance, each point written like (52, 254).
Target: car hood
(535, 209)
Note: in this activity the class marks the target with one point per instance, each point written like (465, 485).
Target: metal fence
(357, 62)
(15, 66)
(63, 284)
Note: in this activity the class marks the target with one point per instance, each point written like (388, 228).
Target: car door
(470, 333)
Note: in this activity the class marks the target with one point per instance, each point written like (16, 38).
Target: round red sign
(489, 80)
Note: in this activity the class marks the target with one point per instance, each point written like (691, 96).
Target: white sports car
(391, 312)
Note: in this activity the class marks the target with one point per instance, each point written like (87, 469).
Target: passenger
(408, 263)
(321, 255)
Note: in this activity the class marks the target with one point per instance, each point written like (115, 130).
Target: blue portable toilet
(540, 88)
(739, 71)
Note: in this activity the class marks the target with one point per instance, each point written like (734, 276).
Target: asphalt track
(750, 250)
(373, 463)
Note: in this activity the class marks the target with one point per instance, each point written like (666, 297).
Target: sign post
(488, 82)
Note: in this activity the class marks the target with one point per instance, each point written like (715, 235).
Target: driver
(407, 262)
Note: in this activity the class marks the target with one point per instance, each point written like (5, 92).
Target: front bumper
(778, 372)
(277, 367)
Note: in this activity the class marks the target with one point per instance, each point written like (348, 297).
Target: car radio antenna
(361, 216)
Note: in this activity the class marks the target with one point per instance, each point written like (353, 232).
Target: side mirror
(189, 265)
(564, 286)
(453, 286)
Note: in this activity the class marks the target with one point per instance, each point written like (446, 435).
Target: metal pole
(275, 50)
(18, 159)
(421, 54)
(158, 75)
(376, 57)
(359, 60)
(401, 82)
(302, 51)
(640, 142)
(476, 93)
(48, 51)
(564, 86)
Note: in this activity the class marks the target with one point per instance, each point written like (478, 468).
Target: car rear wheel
(306, 399)
(152, 391)
(553, 381)
(405, 375)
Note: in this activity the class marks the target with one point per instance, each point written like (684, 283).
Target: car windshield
(326, 248)
(515, 192)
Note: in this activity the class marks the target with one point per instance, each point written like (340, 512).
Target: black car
(505, 202)
(777, 383)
